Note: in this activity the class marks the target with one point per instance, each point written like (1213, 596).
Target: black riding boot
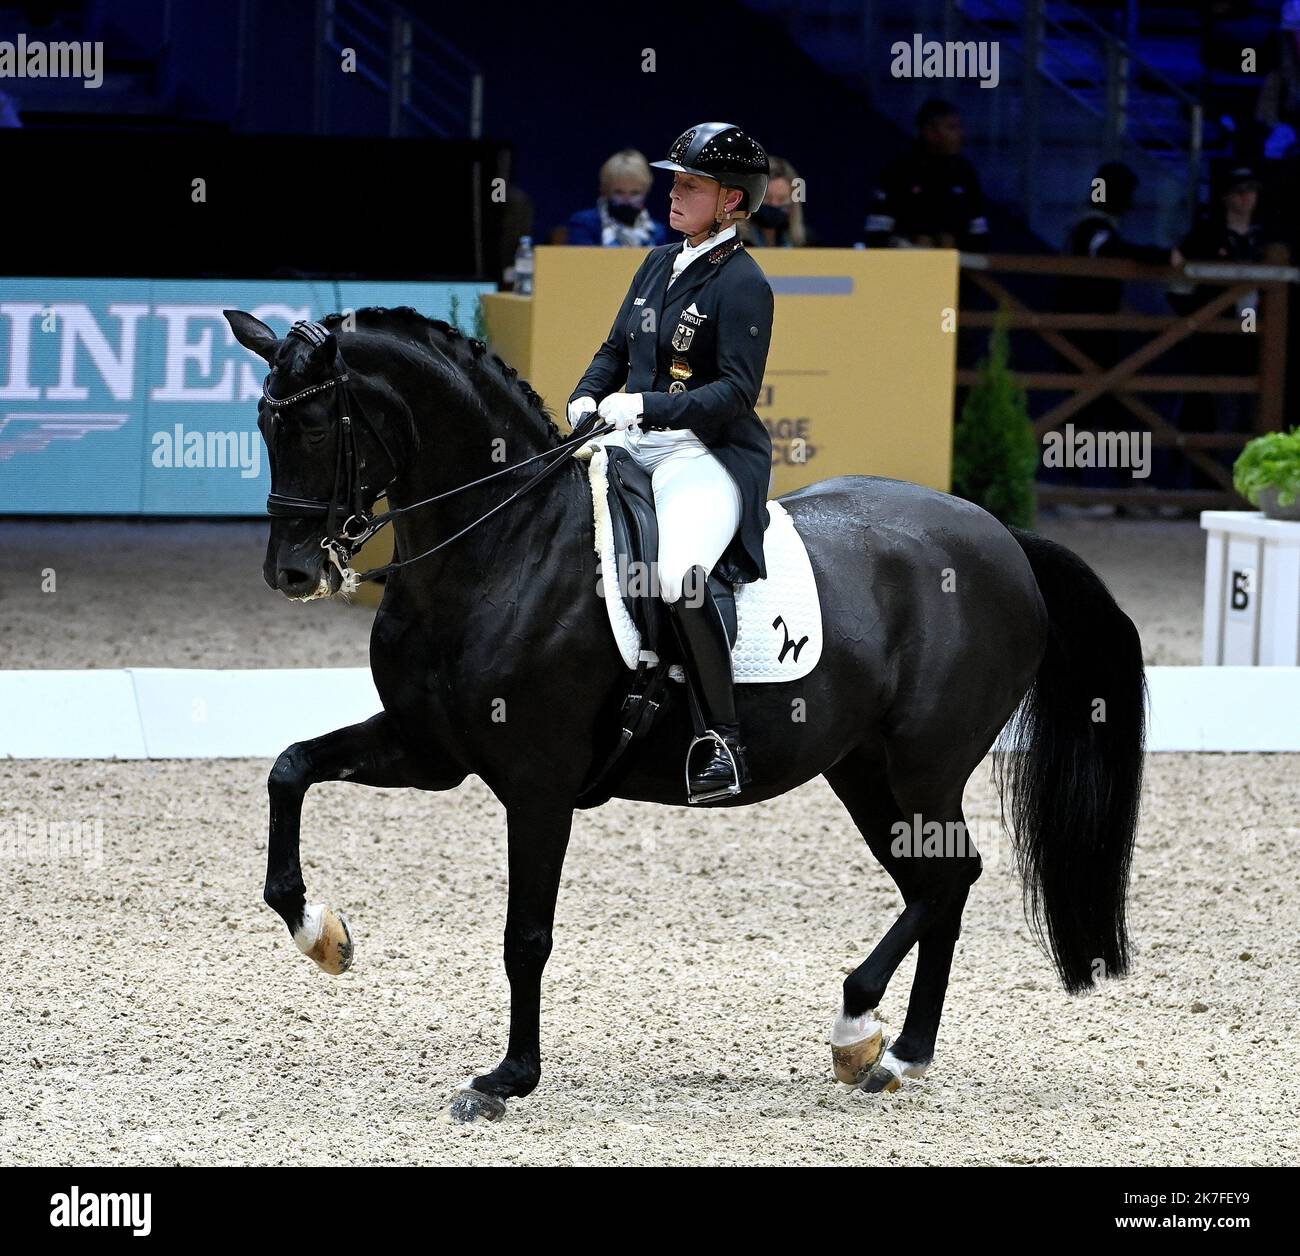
(713, 769)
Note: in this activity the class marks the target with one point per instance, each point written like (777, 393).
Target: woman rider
(690, 343)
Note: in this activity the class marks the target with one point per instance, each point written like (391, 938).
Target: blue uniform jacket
(584, 228)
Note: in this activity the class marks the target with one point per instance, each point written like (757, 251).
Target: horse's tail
(1075, 769)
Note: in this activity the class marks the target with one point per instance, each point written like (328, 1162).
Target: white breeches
(696, 501)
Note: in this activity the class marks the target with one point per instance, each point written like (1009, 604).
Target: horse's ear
(327, 351)
(253, 334)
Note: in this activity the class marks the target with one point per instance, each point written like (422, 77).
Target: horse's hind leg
(934, 890)
(909, 1055)
(368, 753)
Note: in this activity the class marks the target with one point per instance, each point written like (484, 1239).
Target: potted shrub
(1268, 474)
(995, 452)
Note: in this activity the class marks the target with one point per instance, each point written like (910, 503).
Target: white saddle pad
(779, 620)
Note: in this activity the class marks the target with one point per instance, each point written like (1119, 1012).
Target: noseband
(347, 499)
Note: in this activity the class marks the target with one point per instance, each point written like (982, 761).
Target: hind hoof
(856, 1047)
(470, 1106)
(881, 1080)
(325, 938)
(887, 1076)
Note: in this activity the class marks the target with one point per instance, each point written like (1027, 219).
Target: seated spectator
(619, 217)
(931, 197)
(778, 221)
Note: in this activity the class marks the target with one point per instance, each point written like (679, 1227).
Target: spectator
(1229, 231)
(778, 221)
(1098, 234)
(619, 217)
(931, 197)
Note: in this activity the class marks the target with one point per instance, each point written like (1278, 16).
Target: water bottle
(524, 267)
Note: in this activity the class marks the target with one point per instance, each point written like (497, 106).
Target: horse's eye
(314, 428)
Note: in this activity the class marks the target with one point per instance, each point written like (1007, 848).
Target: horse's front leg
(368, 754)
(538, 839)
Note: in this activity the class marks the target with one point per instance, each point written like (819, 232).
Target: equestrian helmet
(721, 151)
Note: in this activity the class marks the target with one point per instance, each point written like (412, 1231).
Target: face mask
(775, 216)
(626, 212)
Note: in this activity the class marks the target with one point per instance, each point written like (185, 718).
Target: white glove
(623, 410)
(578, 407)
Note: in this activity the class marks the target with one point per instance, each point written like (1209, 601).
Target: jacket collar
(698, 272)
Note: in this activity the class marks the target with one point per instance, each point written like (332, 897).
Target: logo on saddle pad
(779, 632)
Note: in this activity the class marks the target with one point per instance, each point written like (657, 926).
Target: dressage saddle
(635, 526)
(636, 548)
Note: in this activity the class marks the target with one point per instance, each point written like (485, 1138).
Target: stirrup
(726, 792)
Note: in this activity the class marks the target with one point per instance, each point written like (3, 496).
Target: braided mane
(469, 355)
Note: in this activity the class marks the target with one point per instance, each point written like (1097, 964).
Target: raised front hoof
(326, 939)
(469, 1106)
(852, 1063)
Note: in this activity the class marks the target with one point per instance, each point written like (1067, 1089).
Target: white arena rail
(180, 713)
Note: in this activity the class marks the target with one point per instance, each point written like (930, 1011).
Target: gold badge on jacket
(682, 337)
(681, 371)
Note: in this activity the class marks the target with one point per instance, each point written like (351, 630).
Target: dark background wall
(568, 93)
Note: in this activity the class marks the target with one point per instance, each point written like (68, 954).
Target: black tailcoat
(715, 322)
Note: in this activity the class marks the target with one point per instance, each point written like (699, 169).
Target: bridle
(347, 497)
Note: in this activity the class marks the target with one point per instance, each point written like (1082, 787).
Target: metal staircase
(1071, 95)
(428, 85)
(1092, 99)
(185, 68)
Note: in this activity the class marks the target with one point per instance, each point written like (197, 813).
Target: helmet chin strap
(721, 216)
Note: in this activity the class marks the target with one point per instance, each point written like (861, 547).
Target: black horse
(492, 655)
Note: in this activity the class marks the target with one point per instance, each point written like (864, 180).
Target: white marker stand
(1252, 590)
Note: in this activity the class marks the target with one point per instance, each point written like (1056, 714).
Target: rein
(347, 497)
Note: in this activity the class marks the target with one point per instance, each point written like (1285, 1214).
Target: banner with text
(131, 396)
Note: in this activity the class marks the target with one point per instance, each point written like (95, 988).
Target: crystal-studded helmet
(721, 151)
